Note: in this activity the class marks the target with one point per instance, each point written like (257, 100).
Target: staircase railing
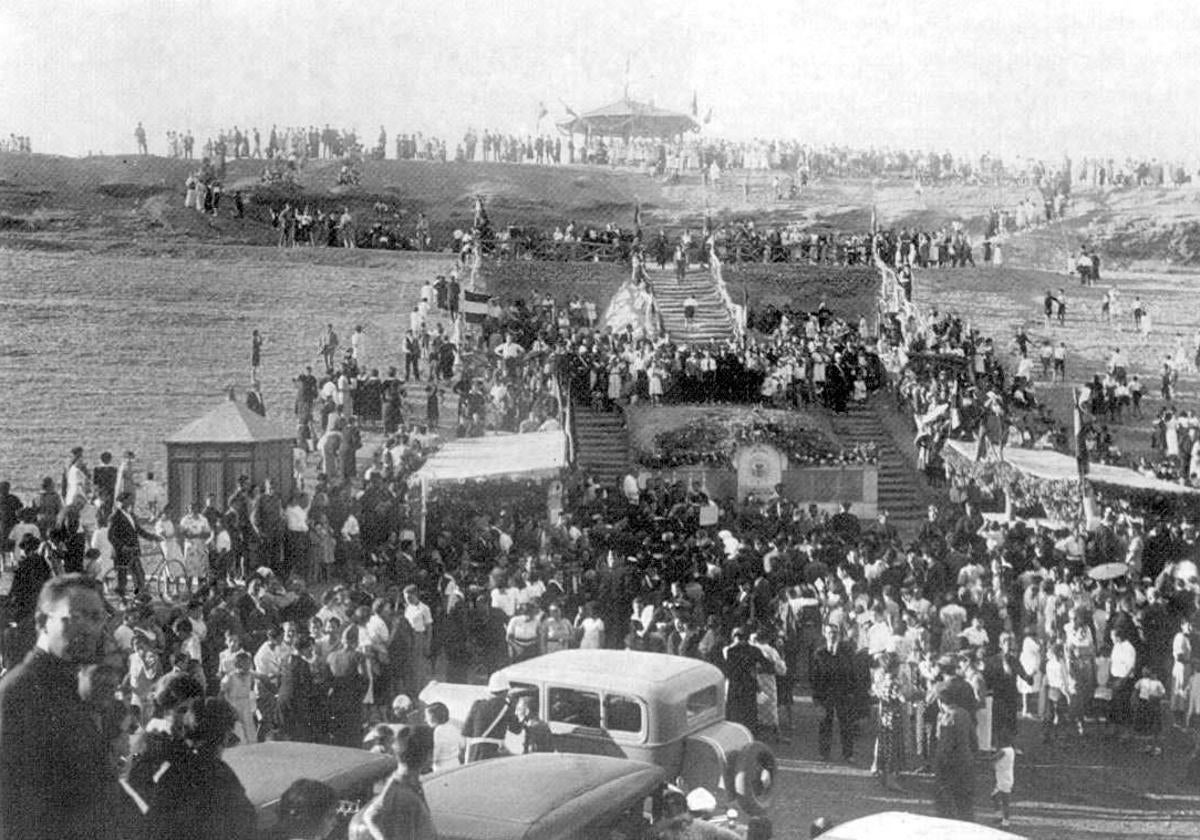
(567, 403)
(737, 314)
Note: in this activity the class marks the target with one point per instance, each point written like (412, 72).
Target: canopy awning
(626, 118)
(1056, 466)
(536, 455)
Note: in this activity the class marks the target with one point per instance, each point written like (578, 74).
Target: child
(1058, 693)
(237, 689)
(1149, 713)
(143, 671)
(447, 739)
(1003, 762)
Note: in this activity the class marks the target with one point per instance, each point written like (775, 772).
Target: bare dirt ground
(1079, 789)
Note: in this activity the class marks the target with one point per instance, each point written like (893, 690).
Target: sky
(1013, 78)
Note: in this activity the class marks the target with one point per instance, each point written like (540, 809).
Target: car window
(702, 702)
(622, 714)
(578, 708)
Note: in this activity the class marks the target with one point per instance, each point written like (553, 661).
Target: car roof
(539, 796)
(266, 770)
(619, 669)
(901, 825)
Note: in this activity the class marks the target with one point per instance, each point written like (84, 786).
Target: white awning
(536, 455)
(1059, 467)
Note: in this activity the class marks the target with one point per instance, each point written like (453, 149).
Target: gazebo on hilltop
(206, 456)
(628, 119)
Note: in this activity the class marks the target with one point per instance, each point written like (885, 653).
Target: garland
(714, 441)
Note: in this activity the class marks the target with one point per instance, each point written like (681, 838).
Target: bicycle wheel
(176, 579)
(109, 581)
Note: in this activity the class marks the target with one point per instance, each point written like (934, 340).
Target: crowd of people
(315, 617)
(19, 143)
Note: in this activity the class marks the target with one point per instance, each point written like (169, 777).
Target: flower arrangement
(714, 440)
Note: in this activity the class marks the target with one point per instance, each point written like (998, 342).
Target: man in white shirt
(377, 632)
(271, 654)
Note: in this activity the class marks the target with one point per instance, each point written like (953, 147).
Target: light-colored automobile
(901, 825)
(651, 707)
(266, 770)
(543, 796)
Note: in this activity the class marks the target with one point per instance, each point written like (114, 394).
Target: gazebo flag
(695, 105)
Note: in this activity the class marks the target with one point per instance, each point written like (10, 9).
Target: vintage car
(651, 707)
(266, 770)
(901, 825)
(543, 796)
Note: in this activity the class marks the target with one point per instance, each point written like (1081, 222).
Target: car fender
(710, 754)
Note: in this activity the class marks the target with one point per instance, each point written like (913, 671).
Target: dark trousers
(954, 793)
(847, 726)
(125, 562)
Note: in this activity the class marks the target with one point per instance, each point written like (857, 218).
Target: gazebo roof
(231, 422)
(627, 117)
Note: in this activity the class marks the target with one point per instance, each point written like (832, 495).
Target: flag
(637, 214)
(708, 117)
(542, 110)
(695, 105)
(874, 222)
(474, 306)
(569, 109)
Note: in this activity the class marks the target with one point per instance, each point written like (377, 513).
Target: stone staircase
(712, 321)
(601, 443)
(903, 492)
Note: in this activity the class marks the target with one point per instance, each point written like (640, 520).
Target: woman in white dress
(196, 533)
(1181, 670)
(656, 383)
(1031, 663)
(165, 528)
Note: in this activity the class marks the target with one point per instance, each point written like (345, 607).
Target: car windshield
(702, 702)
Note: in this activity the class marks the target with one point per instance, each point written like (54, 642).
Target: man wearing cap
(487, 722)
(123, 534)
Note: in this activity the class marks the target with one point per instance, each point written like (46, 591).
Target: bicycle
(168, 580)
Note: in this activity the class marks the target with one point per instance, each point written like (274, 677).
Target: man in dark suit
(1000, 673)
(104, 480)
(123, 534)
(845, 525)
(742, 664)
(834, 678)
(55, 777)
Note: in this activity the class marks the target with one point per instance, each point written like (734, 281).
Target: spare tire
(754, 777)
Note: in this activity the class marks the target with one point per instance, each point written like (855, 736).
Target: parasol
(1108, 571)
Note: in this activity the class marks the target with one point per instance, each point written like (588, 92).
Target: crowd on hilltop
(19, 143)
